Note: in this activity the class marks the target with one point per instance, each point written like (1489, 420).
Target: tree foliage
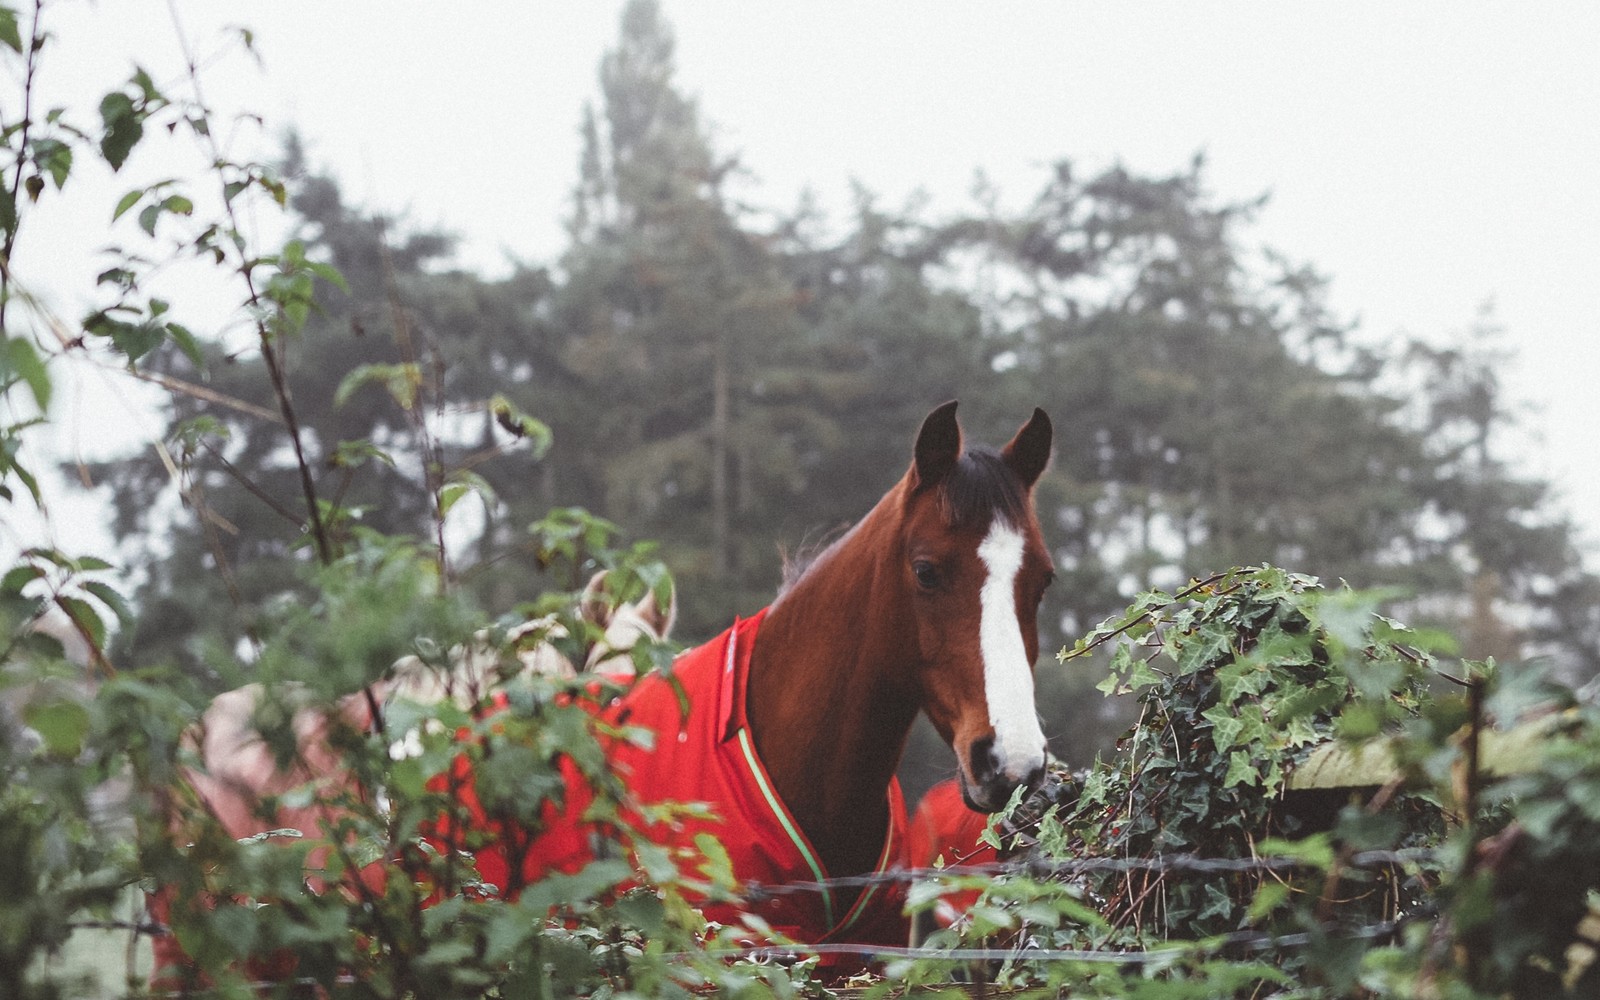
(724, 378)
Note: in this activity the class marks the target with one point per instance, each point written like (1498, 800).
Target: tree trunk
(720, 534)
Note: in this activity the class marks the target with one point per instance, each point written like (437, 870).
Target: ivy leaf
(1225, 726)
(1240, 770)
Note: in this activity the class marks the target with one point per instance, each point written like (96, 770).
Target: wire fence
(1017, 948)
(1188, 864)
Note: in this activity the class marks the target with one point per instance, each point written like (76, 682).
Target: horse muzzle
(989, 776)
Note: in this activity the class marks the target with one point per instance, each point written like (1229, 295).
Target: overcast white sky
(1427, 156)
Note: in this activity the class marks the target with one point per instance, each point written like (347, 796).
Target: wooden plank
(1503, 752)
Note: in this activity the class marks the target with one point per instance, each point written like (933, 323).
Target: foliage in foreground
(1191, 863)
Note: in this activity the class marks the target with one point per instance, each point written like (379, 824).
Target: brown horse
(799, 715)
(929, 603)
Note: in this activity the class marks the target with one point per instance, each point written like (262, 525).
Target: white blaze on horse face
(1007, 674)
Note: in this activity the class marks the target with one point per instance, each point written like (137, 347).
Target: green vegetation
(1187, 864)
(387, 456)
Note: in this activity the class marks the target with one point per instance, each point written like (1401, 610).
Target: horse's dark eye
(927, 574)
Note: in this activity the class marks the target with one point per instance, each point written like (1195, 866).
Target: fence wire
(1024, 950)
(1188, 864)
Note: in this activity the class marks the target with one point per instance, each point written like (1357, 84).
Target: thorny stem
(243, 480)
(432, 459)
(35, 40)
(275, 374)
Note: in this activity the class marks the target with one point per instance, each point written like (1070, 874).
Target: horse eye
(1044, 585)
(927, 574)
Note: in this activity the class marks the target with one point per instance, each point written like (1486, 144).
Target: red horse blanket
(945, 833)
(707, 756)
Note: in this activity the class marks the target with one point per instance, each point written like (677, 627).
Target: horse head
(974, 569)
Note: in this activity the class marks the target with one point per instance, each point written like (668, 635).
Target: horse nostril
(985, 763)
(1035, 778)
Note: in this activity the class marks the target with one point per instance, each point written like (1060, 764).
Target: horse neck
(830, 694)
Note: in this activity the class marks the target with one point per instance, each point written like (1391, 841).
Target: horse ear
(1029, 452)
(659, 619)
(938, 447)
(593, 605)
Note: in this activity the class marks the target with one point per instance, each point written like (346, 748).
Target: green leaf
(8, 211)
(62, 724)
(22, 360)
(520, 425)
(1315, 850)
(402, 381)
(328, 273)
(1225, 726)
(449, 494)
(126, 202)
(1240, 770)
(19, 577)
(123, 128)
(111, 599)
(86, 618)
(462, 483)
(185, 339)
(1269, 896)
(136, 340)
(8, 30)
(349, 454)
(718, 866)
(55, 159)
(28, 480)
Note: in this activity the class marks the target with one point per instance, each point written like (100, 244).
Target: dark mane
(980, 488)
